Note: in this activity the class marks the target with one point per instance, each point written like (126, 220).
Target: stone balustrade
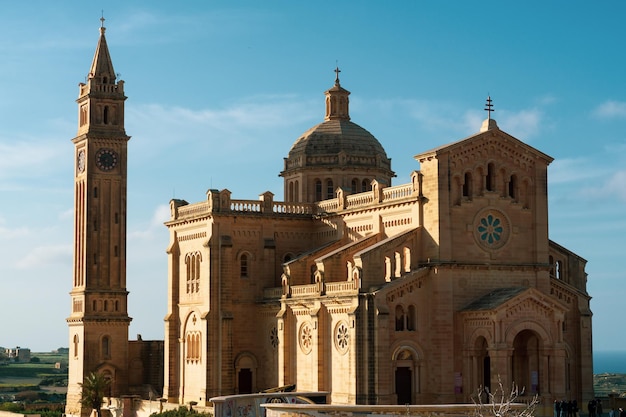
(330, 410)
(220, 202)
(341, 287)
(398, 192)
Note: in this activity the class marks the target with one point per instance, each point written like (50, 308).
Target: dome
(337, 142)
(334, 153)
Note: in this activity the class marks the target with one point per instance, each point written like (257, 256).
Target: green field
(41, 375)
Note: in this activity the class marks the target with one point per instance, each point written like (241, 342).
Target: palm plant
(93, 390)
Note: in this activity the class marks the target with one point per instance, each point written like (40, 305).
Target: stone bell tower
(99, 321)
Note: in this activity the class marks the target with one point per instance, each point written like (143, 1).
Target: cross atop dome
(337, 71)
(337, 102)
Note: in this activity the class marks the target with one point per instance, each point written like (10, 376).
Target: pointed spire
(102, 66)
(489, 123)
(337, 101)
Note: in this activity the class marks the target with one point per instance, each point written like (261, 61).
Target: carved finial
(337, 71)
(489, 107)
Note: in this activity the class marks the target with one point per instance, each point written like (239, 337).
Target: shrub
(181, 412)
(499, 403)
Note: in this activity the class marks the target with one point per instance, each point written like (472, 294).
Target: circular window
(274, 337)
(305, 338)
(492, 229)
(342, 337)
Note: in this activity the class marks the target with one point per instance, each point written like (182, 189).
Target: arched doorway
(484, 361)
(245, 367)
(406, 376)
(525, 362)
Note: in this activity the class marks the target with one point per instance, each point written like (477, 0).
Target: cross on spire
(337, 71)
(489, 107)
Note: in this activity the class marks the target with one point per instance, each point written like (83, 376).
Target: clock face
(80, 161)
(106, 159)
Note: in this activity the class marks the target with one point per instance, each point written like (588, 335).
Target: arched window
(318, 190)
(296, 192)
(243, 265)
(193, 351)
(407, 259)
(330, 190)
(387, 268)
(75, 342)
(106, 347)
(353, 186)
(290, 192)
(399, 318)
(192, 263)
(365, 185)
(513, 187)
(491, 177)
(411, 318)
(467, 185)
(196, 276)
(105, 115)
(559, 270)
(397, 271)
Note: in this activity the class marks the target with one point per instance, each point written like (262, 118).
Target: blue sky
(218, 91)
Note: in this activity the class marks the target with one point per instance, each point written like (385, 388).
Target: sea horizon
(609, 361)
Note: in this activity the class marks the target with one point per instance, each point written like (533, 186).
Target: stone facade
(418, 293)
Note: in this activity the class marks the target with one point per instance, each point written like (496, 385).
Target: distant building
(417, 293)
(18, 354)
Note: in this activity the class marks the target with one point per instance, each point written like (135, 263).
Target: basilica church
(378, 293)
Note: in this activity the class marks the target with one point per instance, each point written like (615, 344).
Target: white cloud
(259, 113)
(523, 124)
(611, 109)
(8, 233)
(614, 186)
(570, 170)
(161, 215)
(45, 257)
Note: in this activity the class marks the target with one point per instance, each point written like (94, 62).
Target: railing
(304, 290)
(359, 200)
(251, 206)
(222, 203)
(193, 209)
(292, 208)
(341, 287)
(328, 205)
(272, 293)
(397, 192)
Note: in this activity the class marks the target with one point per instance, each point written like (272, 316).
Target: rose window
(305, 338)
(342, 337)
(491, 229)
(274, 337)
